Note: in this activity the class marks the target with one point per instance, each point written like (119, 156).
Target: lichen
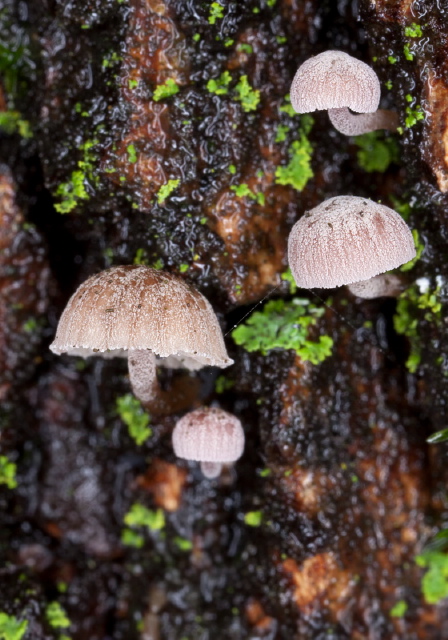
(285, 325)
(140, 516)
(220, 85)
(375, 151)
(435, 580)
(166, 189)
(298, 171)
(166, 90)
(248, 97)
(11, 628)
(8, 471)
(74, 190)
(56, 616)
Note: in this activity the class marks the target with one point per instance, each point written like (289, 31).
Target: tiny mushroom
(385, 285)
(210, 436)
(347, 239)
(336, 81)
(149, 316)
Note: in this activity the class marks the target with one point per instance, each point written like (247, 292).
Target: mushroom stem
(211, 469)
(351, 124)
(142, 374)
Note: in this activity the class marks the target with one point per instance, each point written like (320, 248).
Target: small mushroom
(336, 81)
(347, 239)
(385, 285)
(210, 436)
(149, 316)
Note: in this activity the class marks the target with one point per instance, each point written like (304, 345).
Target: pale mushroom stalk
(142, 374)
(211, 469)
(351, 124)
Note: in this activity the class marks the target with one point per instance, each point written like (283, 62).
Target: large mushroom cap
(208, 435)
(332, 80)
(347, 239)
(132, 308)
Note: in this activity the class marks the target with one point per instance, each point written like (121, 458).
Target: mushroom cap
(208, 435)
(347, 239)
(135, 307)
(384, 285)
(332, 80)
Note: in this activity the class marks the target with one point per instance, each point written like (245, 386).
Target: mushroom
(338, 82)
(146, 315)
(347, 239)
(211, 436)
(385, 285)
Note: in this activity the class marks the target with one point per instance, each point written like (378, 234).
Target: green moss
(413, 115)
(243, 190)
(73, 191)
(253, 518)
(392, 60)
(248, 97)
(140, 257)
(166, 189)
(56, 616)
(232, 169)
(413, 31)
(408, 316)
(375, 151)
(435, 580)
(216, 12)
(220, 85)
(288, 277)
(285, 325)
(130, 538)
(407, 52)
(419, 248)
(196, 37)
(282, 130)
(132, 83)
(11, 628)
(183, 544)
(132, 154)
(298, 171)
(135, 418)
(8, 472)
(12, 122)
(166, 90)
(399, 609)
(140, 516)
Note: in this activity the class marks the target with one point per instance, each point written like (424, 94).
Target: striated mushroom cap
(332, 80)
(208, 435)
(132, 308)
(346, 239)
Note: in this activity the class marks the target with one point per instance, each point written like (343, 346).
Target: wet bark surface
(336, 459)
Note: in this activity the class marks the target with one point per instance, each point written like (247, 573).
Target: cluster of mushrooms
(154, 318)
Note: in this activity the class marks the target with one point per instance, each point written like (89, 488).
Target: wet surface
(336, 460)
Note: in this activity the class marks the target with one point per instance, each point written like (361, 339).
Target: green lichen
(11, 628)
(435, 580)
(132, 154)
(8, 471)
(56, 616)
(287, 107)
(135, 418)
(413, 115)
(282, 130)
(166, 90)
(285, 325)
(12, 122)
(220, 85)
(399, 609)
(408, 316)
(183, 544)
(375, 151)
(166, 189)
(216, 12)
(245, 48)
(223, 384)
(248, 97)
(140, 516)
(288, 277)
(392, 59)
(298, 171)
(407, 52)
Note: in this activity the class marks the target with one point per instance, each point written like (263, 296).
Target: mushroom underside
(351, 124)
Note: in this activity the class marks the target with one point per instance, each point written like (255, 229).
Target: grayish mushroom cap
(129, 308)
(347, 239)
(332, 80)
(208, 435)
(384, 285)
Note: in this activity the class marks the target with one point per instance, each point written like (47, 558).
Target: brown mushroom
(347, 239)
(336, 81)
(149, 316)
(211, 436)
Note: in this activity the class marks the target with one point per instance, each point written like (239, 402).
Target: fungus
(210, 436)
(336, 81)
(146, 315)
(347, 239)
(385, 285)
